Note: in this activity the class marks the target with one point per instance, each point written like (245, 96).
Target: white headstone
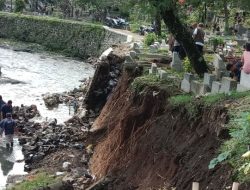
(153, 48)
(164, 45)
(176, 63)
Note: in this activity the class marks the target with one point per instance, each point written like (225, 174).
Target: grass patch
(37, 181)
(141, 82)
(187, 101)
(214, 99)
(180, 99)
(233, 149)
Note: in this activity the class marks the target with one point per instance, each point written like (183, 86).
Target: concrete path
(132, 37)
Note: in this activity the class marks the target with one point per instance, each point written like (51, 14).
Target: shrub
(2, 4)
(187, 66)
(19, 6)
(216, 41)
(150, 39)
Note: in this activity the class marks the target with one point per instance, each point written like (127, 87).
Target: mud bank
(148, 143)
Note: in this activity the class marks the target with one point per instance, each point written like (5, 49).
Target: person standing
(246, 59)
(199, 36)
(7, 108)
(7, 126)
(2, 103)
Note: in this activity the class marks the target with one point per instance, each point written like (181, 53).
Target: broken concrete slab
(106, 53)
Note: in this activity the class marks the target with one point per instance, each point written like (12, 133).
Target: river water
(40, 74)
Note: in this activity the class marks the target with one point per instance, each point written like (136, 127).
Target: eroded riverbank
(39, 73)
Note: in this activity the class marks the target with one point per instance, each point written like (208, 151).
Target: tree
(169, 13)
(19, 5)
(2, 4)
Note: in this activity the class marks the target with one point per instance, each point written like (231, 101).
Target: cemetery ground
(151, 134)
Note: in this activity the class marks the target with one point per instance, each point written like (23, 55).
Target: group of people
(235, 68)
(198, 35)
(7, 124)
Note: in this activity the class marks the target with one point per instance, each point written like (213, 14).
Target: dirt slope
(148, 144)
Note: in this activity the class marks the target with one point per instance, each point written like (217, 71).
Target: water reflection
(6, 165)
(8, 161)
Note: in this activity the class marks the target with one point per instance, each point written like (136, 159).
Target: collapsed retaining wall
(73, 38)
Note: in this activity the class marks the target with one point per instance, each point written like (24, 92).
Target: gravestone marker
(176, 63)
(228, 84)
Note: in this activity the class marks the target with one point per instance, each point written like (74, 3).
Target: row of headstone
(154, 48)
(208, 85)
(163, 75)
(218, 82)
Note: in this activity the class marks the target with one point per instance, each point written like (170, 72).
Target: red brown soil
(148, 144)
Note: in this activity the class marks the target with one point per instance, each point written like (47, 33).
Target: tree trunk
(158, 23)
(226, 29)
(183, 36)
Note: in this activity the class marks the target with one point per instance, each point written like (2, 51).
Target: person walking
(2, 103)
(7, 108)
(7, 126)
(199, 36)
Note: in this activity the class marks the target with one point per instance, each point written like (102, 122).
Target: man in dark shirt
(7, 108)
(7, 126)
(2, 103)
(235, 70)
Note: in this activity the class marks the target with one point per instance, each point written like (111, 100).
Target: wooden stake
(235, 186)
(195, 186)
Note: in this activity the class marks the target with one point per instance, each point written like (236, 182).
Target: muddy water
(39, 74)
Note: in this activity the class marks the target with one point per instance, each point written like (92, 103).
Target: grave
(153, 48)
(164, 45)
(244, 82)
(208, 79)
(153, 69)
(176, 63)
(133, 55)
(196, 87)
(216, 86)
(163, 75)
(228, 84)
(129, 59)
(186, 82)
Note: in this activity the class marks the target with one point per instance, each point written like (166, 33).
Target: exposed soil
(146, 143)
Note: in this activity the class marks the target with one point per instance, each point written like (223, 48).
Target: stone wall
(73, 38)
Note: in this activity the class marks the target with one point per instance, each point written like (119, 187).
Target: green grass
(180, 99)
(236, 146)
(143, 81)
(217, 98)
(47, 18)
(39, 180)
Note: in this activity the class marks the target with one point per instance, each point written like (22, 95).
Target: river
(39, 73)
